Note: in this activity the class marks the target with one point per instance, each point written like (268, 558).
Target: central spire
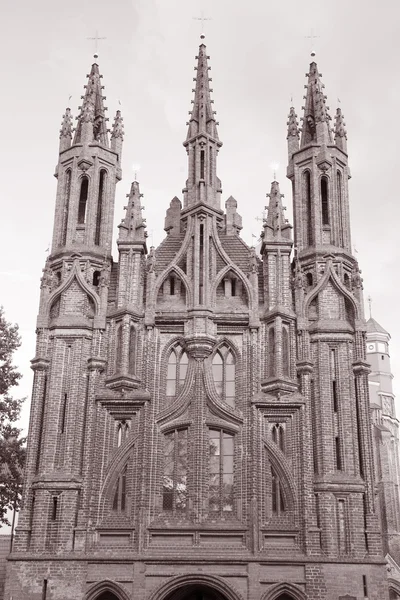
(316, 119)
(92, 126)
(202, 142)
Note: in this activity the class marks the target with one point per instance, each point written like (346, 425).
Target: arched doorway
(195, 591)
(107, 596)
(285, 597)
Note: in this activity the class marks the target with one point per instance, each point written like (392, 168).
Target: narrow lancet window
(119, 501)
(67, 193)
(221, 471)
(324, 201)
(132, 350)
(308, 208)
(175, 471)
(278, 503)
(285, 352)
(210, 156)
(118, 349)
(83, 201)
(224, 374)
(176, 371)
(201, 164)
(340, 207)
(99, 207)
(271, 352)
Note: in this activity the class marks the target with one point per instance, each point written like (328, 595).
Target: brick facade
(200, 419)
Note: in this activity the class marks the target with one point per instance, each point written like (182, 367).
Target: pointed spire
(293, 134)
(316, 118)
(117, 134)
(133, 227)
(340, 131)
(202, 119)
(91, 120)
(66, 130)
(276, 227)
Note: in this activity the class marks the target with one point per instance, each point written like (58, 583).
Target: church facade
(200, 423)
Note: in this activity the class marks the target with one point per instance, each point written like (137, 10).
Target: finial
(312, 53)
(274, 166)
(370, 306)
(95, 56)
(202, 37)
(135, 169)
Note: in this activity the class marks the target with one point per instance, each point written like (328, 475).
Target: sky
(260, 53)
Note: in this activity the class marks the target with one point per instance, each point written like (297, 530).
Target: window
(285, 352)
(82, 201)
(201, 164)
(224, 371)
(324, 201)
(340, 207)
(271, 352)
(67, 193)
(119, 502)
(99, 207)
(122, 432)
(176, 371)
(341, 516)
(221, 471)
(132, 350)
(278, 436)
(308, 205)
(175, 470)
(96, 278)
(118, 349)
(278, 502)
(210, 157)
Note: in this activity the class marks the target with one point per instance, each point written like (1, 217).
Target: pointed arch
(65, 213)
(173, 271)
(213, 582)
(230, 268)
(177, 366)
(223, 365)
(83, 198)
(117, 463)
(280, 465)
(279, 589)
(100, 205)
(95, 591)
(340, 287)
(75, 273)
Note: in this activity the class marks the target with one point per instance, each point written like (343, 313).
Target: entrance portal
(195, 592)
(107, 596)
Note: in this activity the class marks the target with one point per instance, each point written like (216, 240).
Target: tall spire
(202, 142)
(340, 131)
(66, 130)
(316, 118)
(133, 227)
(276, 227)
(91, 120)
(117, 134)
(202, 119)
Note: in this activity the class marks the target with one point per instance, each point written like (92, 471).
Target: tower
(200, 422)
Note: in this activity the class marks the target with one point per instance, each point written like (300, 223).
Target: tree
(12, 445)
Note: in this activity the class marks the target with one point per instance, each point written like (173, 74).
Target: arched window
(67, 193)
(132, 350)
(118, 348)
(175, 470)
(100, 204)
(122, 432)
(220, 486)
(176, 371)
(285, 352)
(96, 278)
(224, 374)
(308, 208)
(324, 201)
(278, 436)
(83, 200)
(278, 501)
(271, 352)
(119, 502)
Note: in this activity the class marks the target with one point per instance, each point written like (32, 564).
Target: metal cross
(202, 18)
(96, 38)
(312, 37)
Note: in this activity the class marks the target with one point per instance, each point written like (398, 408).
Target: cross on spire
(202, 18)
(312, 37)
(96, 39)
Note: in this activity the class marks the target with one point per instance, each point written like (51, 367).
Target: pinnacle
(132, 227)
(276, 227)
(340, 131)
(202, 119)
(117, 130)
(92, 112)
(66, 125)
(292, 123)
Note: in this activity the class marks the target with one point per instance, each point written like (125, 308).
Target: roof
(374, 327)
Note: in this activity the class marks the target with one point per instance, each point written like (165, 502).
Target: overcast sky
(259, 56)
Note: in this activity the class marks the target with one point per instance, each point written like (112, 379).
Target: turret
(66, 131)
(293, 134)
(316, 119)
(340, 131)
(202, 142)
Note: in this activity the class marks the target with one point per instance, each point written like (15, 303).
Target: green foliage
(12, 450)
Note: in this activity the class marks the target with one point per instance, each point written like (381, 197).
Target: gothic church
(200, 424)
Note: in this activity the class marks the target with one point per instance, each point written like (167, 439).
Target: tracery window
(224, 371)
(119, 501)
(220, 484)
(278, 436)
(176, 371)
(122, 432)
(175, 470)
